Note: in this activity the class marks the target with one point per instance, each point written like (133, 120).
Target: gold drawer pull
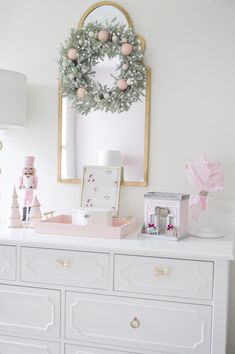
(135, 323)
(162, 271)
(64, 263)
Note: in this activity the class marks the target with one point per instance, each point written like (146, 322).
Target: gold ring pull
(135, 323)
(64, 263)
(162, 271)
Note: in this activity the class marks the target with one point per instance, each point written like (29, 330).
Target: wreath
(85, 48)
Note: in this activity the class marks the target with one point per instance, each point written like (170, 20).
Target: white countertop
(189, 248)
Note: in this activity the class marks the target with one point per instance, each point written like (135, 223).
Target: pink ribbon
(197, 202)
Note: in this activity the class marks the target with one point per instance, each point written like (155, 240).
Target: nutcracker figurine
(28, 182)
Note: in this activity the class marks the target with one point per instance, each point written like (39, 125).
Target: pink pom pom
(72, 54)
(126, 49)
(125, 67)
(103, 36)
(122, 84)
(81, 93)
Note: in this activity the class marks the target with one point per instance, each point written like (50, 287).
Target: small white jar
(92, 216)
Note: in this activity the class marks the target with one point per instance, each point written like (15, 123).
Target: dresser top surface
(189, 248)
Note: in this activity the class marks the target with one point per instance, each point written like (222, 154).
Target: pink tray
(62, 225)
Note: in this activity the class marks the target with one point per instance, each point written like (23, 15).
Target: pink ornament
(103, 36)
(125, 67)
(126, 49)
(72, 54)
(81, 93)
(122, 84)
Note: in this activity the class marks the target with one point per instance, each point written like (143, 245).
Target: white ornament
(129, 82)
(71, 76)
(80, 42)
(114, 38)
(91, 34)
(124, 40)
(106, 95)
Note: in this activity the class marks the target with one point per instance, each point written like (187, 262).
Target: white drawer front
(8, 262)
(77, 349)
(29, 311)
(72, 268)
(156, 325)
(164, 276)
(12, 345)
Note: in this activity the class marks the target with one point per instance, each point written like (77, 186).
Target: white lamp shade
(12, 99)
(110, 158)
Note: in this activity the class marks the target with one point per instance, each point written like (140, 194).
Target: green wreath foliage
(79, 72)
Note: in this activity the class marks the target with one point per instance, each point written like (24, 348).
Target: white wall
(191, 49)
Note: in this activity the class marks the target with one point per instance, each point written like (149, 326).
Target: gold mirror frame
(147, 104)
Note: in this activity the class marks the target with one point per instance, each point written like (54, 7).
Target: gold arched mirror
(82, 138)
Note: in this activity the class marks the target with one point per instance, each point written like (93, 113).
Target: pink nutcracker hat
(29, 161)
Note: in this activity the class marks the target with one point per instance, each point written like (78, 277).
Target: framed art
(101, 187)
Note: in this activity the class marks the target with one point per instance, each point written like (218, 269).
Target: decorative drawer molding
(29, 311)
(72, 268)
(13, 345)
(77, 349)
(164, 276)
(7, 262)
(153, 325)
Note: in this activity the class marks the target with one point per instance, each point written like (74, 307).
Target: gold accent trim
(117, 6)
(64, 263)
(162, 271)
(105, 3)
(49, 214)
(135, 323)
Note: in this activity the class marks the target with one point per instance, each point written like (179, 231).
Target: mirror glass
(105, 13)
(81, 138)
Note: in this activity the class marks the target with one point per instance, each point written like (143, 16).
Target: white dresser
(71, 295)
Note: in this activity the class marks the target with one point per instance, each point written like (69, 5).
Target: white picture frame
(101, 187)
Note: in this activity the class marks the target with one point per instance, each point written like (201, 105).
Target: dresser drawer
(154, 325)
(13, 345)
(164, 276)
(29, 311)
(72, 268)
(7, 262)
